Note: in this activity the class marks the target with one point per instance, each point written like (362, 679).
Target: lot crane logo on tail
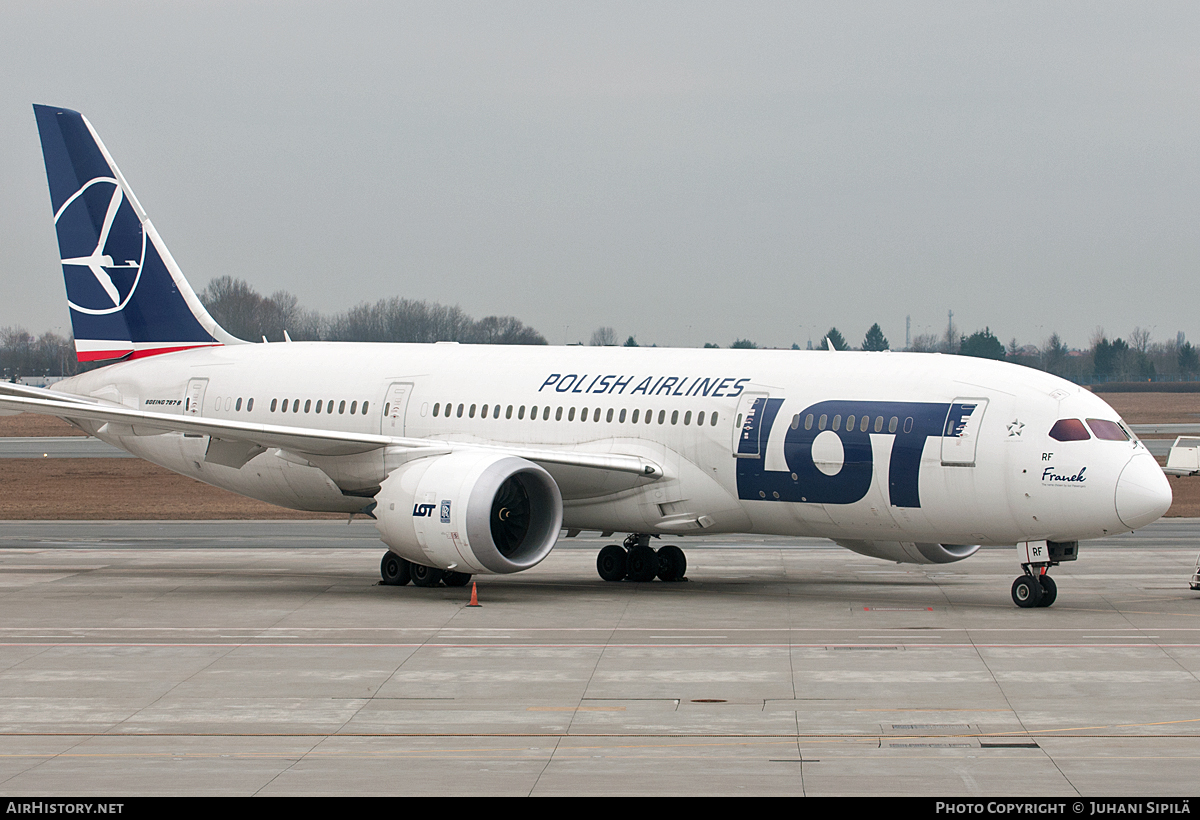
(102, 267)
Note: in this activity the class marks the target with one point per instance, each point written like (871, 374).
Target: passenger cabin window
(1069, 430)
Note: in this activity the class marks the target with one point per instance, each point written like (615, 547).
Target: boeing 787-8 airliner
(473, 458)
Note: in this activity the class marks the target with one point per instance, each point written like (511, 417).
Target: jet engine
(470, 512)
(910, 552)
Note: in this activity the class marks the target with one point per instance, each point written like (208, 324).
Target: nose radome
(1143, 492)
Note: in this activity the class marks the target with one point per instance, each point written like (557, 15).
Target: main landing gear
(396, 572)
(636, 560)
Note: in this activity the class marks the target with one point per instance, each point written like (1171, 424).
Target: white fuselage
(774, 461)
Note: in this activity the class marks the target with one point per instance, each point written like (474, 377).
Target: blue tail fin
(128, 298)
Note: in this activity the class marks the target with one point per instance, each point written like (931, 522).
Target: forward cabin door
(395, 405)
(748, 438)
(960, 438)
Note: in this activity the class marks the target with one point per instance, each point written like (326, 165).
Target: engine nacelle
(911, 552)
(472, 512)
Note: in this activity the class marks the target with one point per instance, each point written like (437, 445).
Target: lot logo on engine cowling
(423, 510)
(829, 453)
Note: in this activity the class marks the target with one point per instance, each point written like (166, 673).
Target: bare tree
(603, 337)
(1139, 340)
(243, 312)
(925, 343)
(952, 340)
(235, 306)
(23, 354)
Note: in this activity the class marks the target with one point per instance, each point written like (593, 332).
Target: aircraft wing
(239, 441)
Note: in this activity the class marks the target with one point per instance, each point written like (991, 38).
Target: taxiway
(249, 658)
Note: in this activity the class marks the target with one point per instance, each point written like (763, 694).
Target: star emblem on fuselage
(1014, 428)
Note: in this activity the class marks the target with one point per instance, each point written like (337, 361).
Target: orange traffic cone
(474, 596)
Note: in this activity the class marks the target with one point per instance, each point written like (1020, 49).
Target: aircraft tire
(672, 563)
(424, 576)
(643, 564)
(1026, 591)
(1049, 591)
(456, 579)
(612, 562)
(394, 570)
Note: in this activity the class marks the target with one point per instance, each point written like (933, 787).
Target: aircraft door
(960, 437)
(193, 401)
(394, 407)
(748, 438)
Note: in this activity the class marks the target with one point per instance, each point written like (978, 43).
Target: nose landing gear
(636, 560)
(1036, 588)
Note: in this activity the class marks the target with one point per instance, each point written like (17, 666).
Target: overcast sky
(683, 172)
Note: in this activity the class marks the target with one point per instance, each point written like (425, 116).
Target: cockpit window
(1069, 430)
(1107, 430)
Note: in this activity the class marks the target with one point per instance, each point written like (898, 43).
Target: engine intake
(470, 512)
